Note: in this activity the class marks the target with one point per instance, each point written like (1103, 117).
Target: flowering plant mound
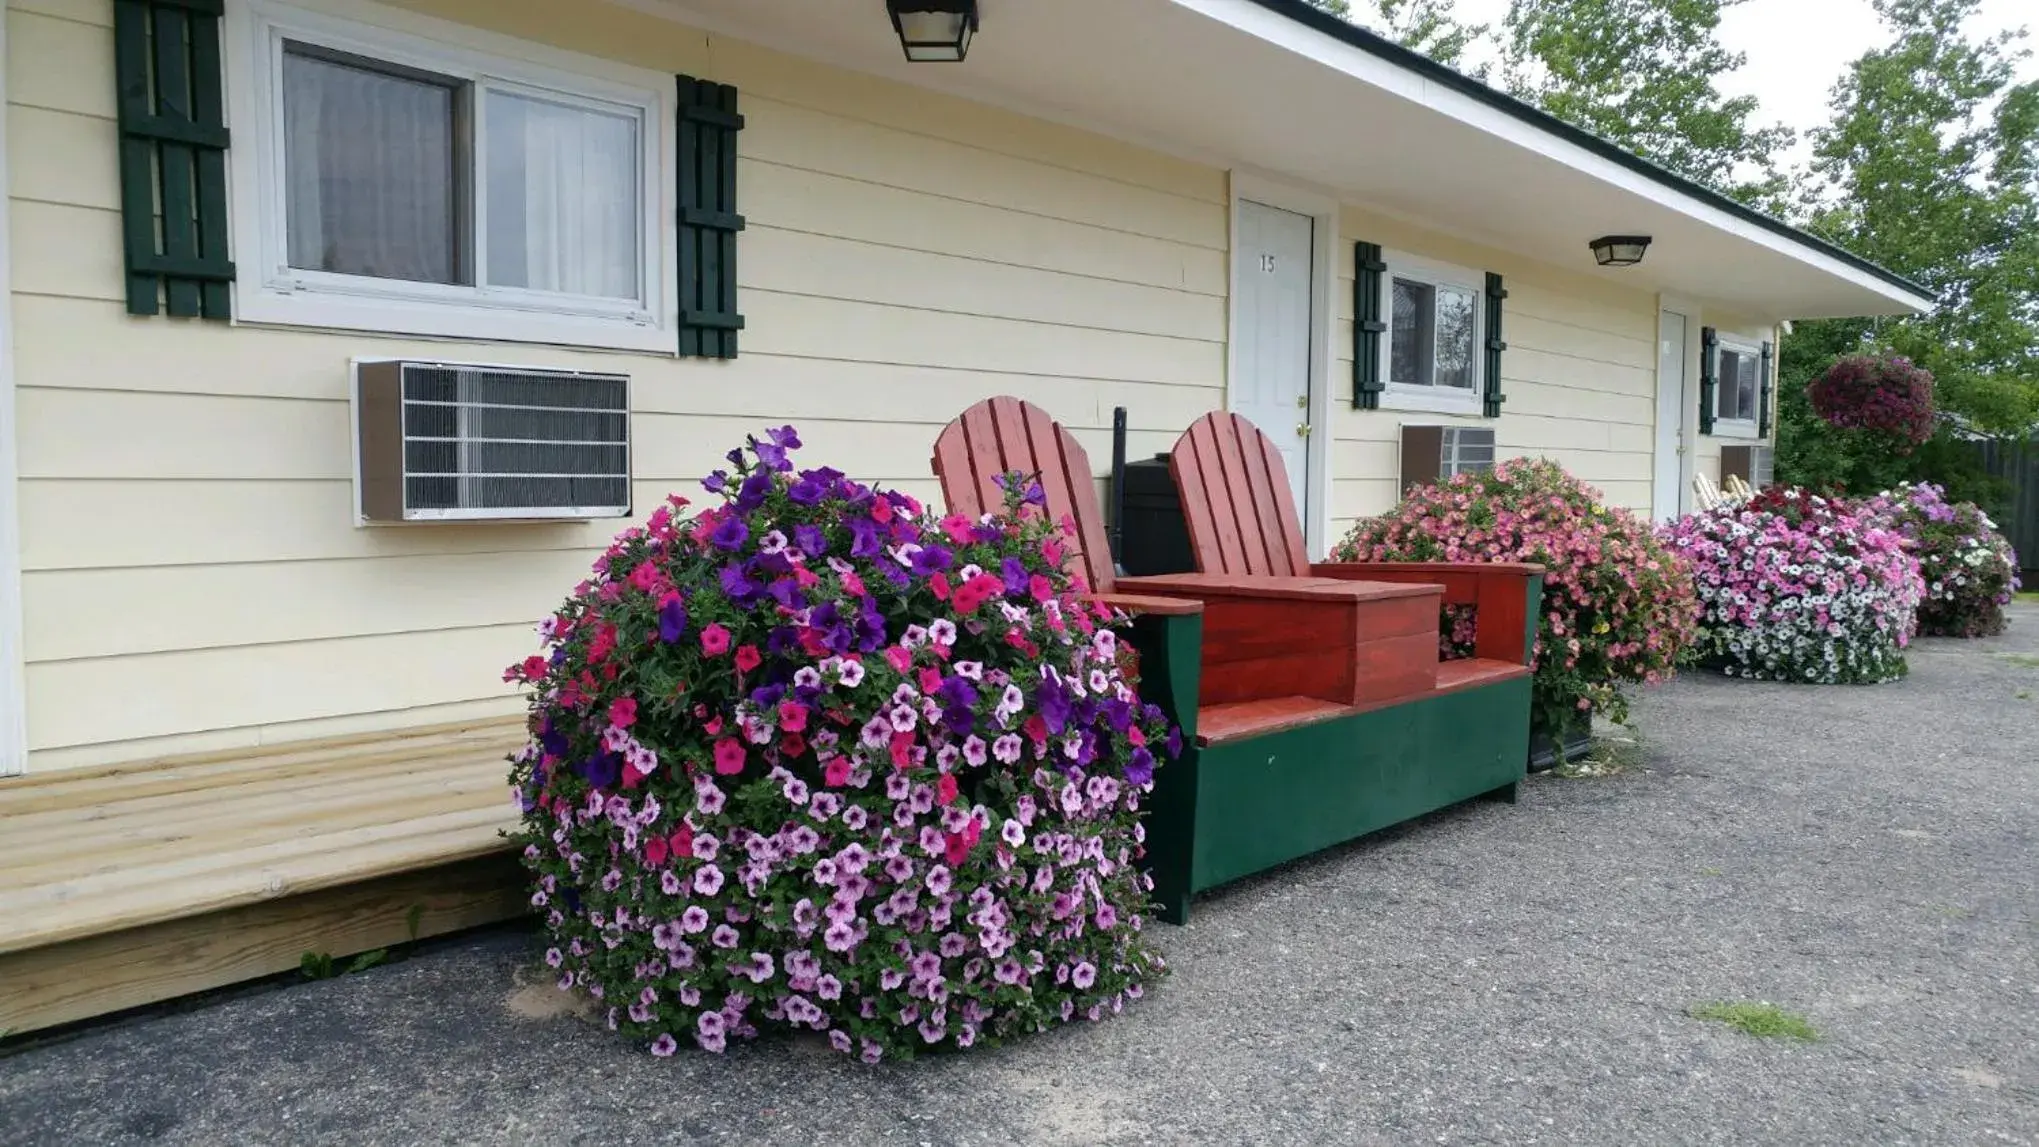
(813, 759)
(1617, 606)
(1892, 396)
(1969, 568)
(1796, 587)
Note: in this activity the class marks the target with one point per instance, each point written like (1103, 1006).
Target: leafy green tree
(1425, 26)
(1643, 74)
(1930, 166)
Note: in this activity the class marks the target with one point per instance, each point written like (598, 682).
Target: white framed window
(1738, 388)
(1430, 349)
(400, 182)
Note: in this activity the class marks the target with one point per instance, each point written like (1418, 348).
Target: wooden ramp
(131, 884)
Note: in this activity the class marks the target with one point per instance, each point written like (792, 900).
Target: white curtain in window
(369, 171)
(563, 188)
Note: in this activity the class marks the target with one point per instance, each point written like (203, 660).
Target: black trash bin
(1152, 538)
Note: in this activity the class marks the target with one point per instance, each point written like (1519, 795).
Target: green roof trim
(1430, 69)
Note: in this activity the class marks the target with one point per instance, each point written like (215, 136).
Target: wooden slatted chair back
(1001, 435)
(1235, 499)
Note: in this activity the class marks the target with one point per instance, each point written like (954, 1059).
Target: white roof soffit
(1275, 86)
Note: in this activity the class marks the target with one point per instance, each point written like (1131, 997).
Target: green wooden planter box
(1232, 809)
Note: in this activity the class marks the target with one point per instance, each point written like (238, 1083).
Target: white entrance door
(1272, 335)
(1671, 495)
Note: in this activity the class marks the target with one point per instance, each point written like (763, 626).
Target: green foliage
(1817, 456)
(1930, 167)
(1766, 1021)
(1425, 26)
(1642, 74)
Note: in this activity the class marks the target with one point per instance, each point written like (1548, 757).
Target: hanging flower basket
(1888, 396)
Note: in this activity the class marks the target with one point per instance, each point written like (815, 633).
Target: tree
(1425, 26)
(1642, 74)
(1930, 166)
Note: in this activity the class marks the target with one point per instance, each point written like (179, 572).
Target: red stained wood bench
(1242, 520)
(1308, 699)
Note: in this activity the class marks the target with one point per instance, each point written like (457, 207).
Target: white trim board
(1324, 212)
(1274, 28)
(13, 671)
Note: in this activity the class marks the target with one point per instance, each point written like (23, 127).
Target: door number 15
(1267, 264)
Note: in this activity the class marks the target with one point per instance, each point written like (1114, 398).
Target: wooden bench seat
(1473, 672)
(130, 884)
(1216, 724)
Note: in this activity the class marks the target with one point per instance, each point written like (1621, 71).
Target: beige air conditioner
(446, 442)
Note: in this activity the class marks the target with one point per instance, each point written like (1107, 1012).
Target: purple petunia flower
(664, 1045)
(672, 620)
(1140, 766)
(931, 560)
(729, 534)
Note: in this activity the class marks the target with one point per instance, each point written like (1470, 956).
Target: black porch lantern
(1620, 250)
(934, 30)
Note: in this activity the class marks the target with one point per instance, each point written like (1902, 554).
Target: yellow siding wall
(192, 577)
(1579, 376)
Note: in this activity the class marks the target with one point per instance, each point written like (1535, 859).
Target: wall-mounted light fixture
(934, 30)
(1620, 250)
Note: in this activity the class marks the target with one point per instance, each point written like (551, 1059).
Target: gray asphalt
(1862, 856)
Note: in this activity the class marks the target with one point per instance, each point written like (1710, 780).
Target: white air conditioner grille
(1466, 450)
(490, 442)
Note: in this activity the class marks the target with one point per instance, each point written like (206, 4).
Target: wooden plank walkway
(130, 884)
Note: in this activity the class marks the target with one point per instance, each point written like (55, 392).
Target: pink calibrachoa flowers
(1888, 396)
(1796, 587)
(813, 759)
(1970, 569)
(1618, 606)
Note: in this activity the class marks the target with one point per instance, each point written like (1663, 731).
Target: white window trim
(268, 291)
(1749, 428)
(1412, 397)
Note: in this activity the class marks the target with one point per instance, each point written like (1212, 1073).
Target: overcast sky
(1798, 48)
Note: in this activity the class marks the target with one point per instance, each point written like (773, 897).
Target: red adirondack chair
(1242, 520)
(1310, 704)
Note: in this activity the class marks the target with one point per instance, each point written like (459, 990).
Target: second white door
(1272, 335)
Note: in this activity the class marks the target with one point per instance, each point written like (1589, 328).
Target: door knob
(1302, 430)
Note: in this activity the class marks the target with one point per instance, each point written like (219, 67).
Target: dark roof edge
(1372, 44)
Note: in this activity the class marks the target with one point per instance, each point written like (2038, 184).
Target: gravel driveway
(1865, 857)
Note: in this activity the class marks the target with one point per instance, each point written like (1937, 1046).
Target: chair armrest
(1213, 587)
(1398, 569)
(1508, 597)
(1137, 604)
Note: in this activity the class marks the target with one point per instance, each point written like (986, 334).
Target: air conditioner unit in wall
(1756, 465)
(1434, 453)
(438, 442)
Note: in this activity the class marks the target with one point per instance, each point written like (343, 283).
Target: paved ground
(1867, 857)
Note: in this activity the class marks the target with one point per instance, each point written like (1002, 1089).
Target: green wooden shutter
(1366, 325)
(1763, 417)
(708, 124)
(1709, 376)
(173, 157)
(1490, 401)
